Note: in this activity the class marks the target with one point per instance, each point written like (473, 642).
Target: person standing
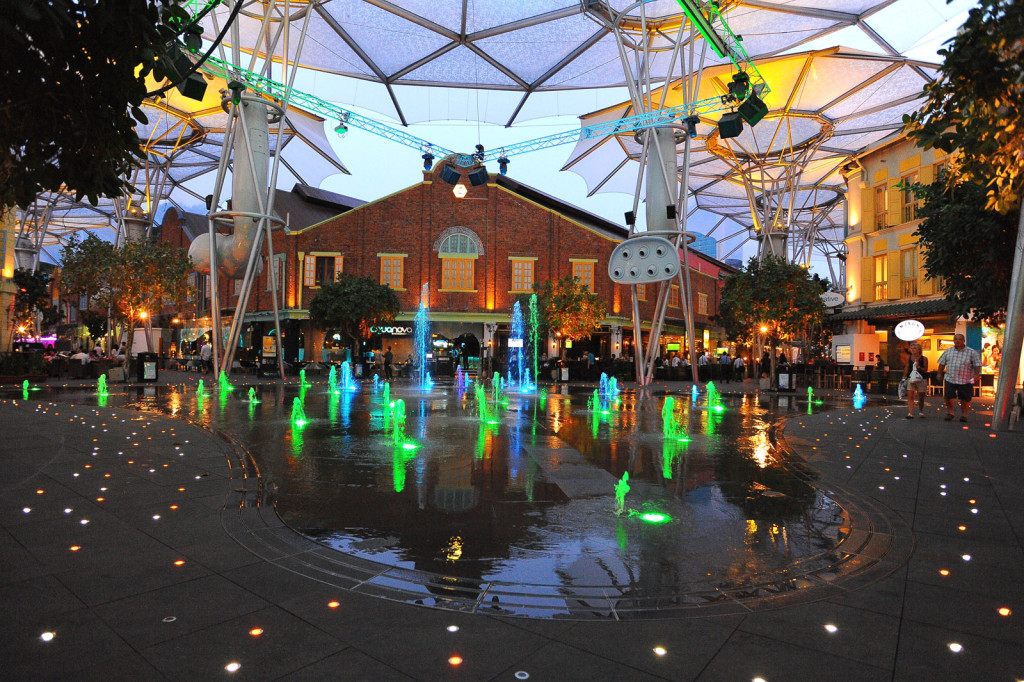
(389, 358)
(738, 367)
(206, 355)
(916, 374)
(725, 362)
(960, 368)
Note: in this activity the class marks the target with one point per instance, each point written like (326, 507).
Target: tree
(140, 277)
(95, 321)
(31, 296)
(956, 234)
(772, 294)
(568, 308)
(976, 105)
(74, 75)
(352, 305)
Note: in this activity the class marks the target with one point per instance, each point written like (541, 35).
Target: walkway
(114, 536)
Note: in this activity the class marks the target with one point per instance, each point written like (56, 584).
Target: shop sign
(269, 347)
(843, 354)
(391, 331)
(831, 299)
(909, 330)
(515, 343)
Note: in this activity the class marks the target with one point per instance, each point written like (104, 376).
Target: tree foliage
(140, 276)
(73, 79)
(771, 293)
(352, 305)
(976, 105)
(957, 234)
(31, 295)
(95, 321)
(567, 307)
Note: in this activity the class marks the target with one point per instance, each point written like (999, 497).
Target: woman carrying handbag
(916, 376)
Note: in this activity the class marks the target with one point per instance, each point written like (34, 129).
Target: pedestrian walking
(388, 360)
(960, 369)
(206, 356)
(916, 374)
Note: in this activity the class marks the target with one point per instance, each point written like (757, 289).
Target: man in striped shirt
(960, 368)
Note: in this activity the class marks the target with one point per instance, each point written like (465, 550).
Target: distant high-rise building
(734, 262)
(705, 244)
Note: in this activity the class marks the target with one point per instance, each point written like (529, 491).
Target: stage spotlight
(691, 125)
(341, 128)
(503, 164)
(189, 83)
(479, 177)
(450, 175)
(753, 109)
(237, 89)
(428, 161)
(670, 212)
(193, 87)
(193, 37)
(630, 218)
(739, 85)
(730, 125)
(479, 154)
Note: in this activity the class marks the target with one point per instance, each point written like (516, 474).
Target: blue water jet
(421, 332)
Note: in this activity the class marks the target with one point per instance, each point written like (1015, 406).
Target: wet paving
(506, 501)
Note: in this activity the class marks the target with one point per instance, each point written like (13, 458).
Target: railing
(881, 290)
(908, 288)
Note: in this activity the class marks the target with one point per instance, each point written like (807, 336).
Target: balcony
(908, 289)
(881, 291)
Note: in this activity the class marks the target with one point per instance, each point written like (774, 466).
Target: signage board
(515, 343)
(843, 354)
(909, 330)
(831, 299)
(269, 347)
(392, 330)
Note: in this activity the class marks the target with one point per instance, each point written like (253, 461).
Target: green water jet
(298, 414)
(621, 488)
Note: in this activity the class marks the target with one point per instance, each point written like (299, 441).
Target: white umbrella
(782, 176)
(522, 47)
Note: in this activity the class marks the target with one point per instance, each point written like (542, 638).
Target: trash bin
(787, 381)
(147, 366)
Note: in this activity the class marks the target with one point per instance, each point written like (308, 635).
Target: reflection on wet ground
(521, 500)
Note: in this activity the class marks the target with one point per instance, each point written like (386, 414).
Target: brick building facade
(474, 253)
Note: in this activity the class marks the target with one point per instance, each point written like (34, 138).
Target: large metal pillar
(1013, 337)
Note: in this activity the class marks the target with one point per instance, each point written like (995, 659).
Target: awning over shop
(268, 315)
(895, 311)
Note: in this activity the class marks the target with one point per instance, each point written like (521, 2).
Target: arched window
(458, 244)
(458, 250)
